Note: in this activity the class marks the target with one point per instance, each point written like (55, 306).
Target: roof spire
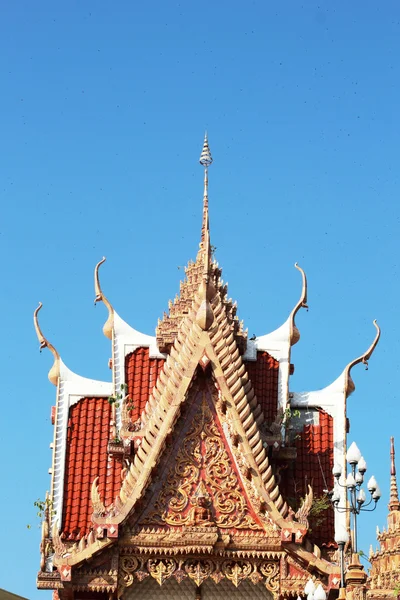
(205, 315)
(394, 503)
(205, 161)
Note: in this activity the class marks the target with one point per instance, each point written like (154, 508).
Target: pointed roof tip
(394, 503)
(392, 454)
(205, 156)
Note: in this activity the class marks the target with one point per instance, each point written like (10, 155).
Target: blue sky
(103, 110)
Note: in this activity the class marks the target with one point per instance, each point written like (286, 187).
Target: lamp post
(355, 494)
(341, 538)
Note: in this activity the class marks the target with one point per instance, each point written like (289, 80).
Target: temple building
(195, 471)
(384, 577)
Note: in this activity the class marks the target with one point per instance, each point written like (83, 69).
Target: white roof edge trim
(276, 343)
(71, 388)
(332, 399)
(275, 338)
(325, 397)
(83, 386)
(133, 338)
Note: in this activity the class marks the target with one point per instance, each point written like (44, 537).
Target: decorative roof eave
(333, 400)
(302, 303)
(128, 337)
(67, 557)
(70, 389)
(54, 372)
(312, 559)
(100, 297)
(342, 386)
(278, 342)
(364, 358)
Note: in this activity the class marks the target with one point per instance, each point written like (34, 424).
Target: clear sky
(103, 108)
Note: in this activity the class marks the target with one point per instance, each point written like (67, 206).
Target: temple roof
(132, 457)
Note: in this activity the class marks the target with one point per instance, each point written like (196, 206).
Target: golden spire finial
(54, 372)
(100, 297)
(394, 503)
(364, 358)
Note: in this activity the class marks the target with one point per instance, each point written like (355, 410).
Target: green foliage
(318, 510)
(43, 507)
(116, 399)
(288, 414)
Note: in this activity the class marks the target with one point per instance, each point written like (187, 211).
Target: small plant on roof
(122, 396)
(318, 511)
(288, 414)
(44, 509)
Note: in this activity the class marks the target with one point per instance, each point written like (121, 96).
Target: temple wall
(149, 589)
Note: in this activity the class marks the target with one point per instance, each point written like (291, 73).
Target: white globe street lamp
(355, 494)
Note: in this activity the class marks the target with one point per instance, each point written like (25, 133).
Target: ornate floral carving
(128, 565)
(161, 569)
(202, 488)
(200, 569)
(237, 571)
(270, 570)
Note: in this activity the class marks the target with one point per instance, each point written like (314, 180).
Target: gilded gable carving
(202, 489)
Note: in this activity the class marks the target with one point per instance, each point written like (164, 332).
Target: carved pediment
(199, 486)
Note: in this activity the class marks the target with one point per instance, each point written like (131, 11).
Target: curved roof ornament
(302, 303)
(364, 358)
(100, 297)
(54, 372)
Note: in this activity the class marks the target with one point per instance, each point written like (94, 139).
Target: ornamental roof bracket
(54, 372)
(97, 503)
(302, 303)
(100, 297)
(364, 358)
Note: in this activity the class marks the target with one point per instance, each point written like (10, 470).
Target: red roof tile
(141, 373)
(87, 458)
(313, 467)
(264, 373)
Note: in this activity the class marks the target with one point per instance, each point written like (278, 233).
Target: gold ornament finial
(54, 372)
(100, 297)
(364, 358)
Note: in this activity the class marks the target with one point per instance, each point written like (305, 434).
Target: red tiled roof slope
(87, 458)
(141, 374)
(313, 467)
(263, 374)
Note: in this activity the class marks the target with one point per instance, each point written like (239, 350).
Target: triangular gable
(199, 484)
(194, 346)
